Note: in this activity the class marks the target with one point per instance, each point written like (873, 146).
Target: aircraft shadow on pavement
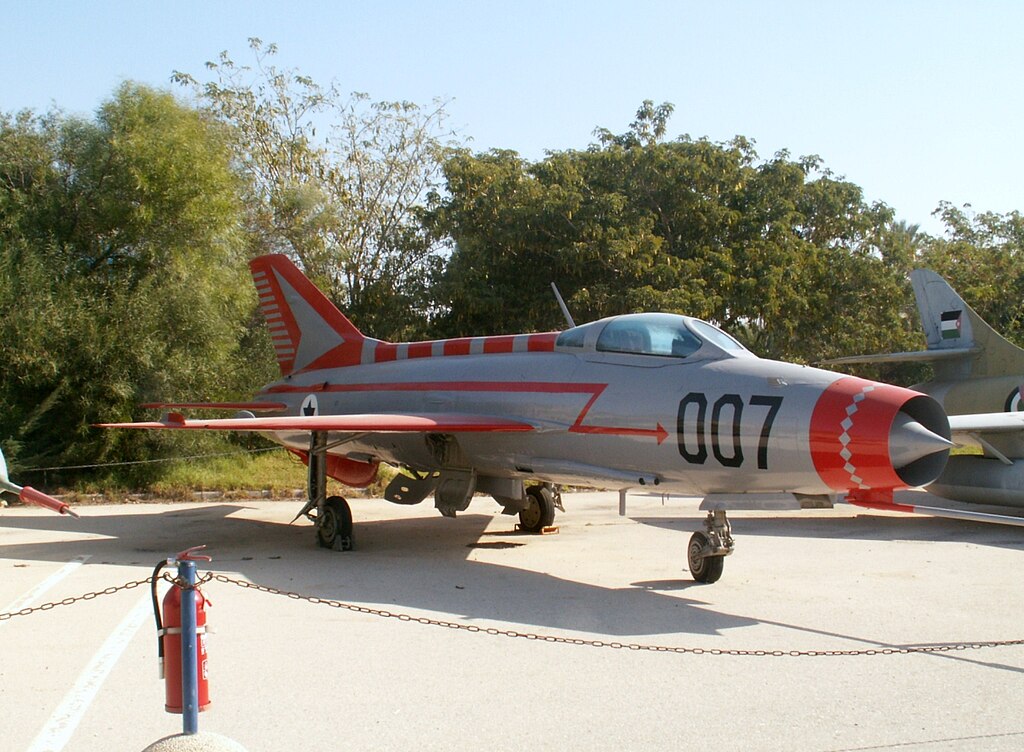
(418, 563)
(866, 527)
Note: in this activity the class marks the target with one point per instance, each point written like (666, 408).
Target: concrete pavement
(289, 674)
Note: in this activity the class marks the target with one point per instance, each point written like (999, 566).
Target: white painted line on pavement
(34, 594)
(65, 719)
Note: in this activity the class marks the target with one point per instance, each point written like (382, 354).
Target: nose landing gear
(705, 555)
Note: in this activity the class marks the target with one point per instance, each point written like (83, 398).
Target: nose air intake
(919, 441)
(909, 441)
(867, 435)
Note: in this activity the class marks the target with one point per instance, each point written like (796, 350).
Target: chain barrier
(497, 632)
(494, 631)
(76, 599)
(180, 582)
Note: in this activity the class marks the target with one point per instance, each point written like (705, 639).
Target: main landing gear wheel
(539, 512)
(334, 525)
(704, 568)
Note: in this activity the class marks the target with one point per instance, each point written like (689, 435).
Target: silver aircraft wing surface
(986, 423)
(996, 476)
(917, 356)
(1000, 434)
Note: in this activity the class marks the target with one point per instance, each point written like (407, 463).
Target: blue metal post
(189, 672)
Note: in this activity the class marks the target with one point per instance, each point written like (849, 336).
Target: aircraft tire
(706, 569)
(540, 510)
(334, 528)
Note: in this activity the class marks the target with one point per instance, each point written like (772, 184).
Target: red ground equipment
(172, 650)
(169, 635)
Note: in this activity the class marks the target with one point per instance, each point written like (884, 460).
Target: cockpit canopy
(656, 334)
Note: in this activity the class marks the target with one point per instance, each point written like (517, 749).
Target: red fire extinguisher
(169, 637)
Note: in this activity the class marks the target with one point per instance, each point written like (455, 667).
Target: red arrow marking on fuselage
(659, 433)
(535, 387)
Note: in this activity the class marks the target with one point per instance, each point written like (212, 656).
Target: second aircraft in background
(978, 380)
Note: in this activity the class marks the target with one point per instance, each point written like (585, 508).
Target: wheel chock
(548, 530)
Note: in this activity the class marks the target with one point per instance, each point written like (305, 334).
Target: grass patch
(275, 473)
(958, 450)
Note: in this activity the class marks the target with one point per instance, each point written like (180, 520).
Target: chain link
(76, 599)
(497, 632)
(180, 582)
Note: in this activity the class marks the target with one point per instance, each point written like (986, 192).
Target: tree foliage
(124, 241)
(780, 251)
(121, 273)
(344, 202)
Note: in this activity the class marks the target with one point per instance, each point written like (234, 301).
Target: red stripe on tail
(307, 330)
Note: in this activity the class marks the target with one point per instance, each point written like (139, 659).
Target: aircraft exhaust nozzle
(909, 441)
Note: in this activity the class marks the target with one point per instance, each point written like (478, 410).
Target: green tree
(780, 251)
(122, 277)
(344, 203)
(515, 228)
(982, 257)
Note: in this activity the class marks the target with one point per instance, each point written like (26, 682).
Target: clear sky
(915, 101)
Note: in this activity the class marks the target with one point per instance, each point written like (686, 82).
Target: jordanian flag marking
(950, 326)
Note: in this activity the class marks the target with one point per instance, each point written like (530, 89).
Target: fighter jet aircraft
(979, 377)
(657, 400)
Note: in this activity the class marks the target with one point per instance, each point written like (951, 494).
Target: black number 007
(726, 417)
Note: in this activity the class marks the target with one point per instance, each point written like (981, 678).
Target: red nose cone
(849, 435)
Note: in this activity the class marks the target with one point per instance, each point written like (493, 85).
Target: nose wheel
(705, 555)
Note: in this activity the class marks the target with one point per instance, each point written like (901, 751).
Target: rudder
(307, 329)
(950, 324)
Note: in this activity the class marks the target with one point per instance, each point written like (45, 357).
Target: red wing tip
(169, 420)
(30, 495)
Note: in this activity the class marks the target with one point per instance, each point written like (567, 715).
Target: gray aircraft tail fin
(961, 345)
(952, 329)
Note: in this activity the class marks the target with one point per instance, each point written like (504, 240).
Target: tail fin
(308, 331)
(951, 326)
